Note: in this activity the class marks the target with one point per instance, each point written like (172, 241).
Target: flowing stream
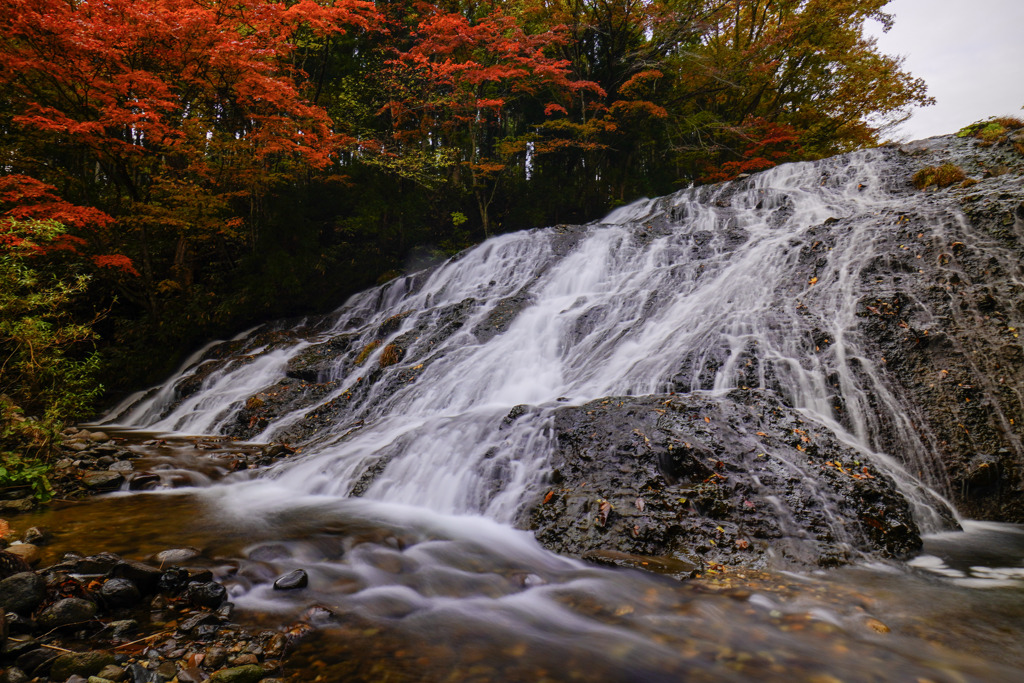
(402, 500)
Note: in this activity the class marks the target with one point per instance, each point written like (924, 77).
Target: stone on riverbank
(22, 593)
(250, 673)
(66, 612)
(83, 664)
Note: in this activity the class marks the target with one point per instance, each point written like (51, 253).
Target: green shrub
(942, 176)
(48, 363)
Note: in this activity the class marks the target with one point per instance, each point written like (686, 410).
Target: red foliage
(22, 197)
(767, 144)
(127, 77)
(117, 262)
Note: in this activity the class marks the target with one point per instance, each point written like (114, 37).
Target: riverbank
(100, 617)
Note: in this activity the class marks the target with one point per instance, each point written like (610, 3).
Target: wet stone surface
(738, 480)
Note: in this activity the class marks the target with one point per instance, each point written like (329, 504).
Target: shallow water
(420, 596)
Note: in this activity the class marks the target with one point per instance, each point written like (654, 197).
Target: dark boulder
(738, 479)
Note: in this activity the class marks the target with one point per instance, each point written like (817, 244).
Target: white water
(718, 298)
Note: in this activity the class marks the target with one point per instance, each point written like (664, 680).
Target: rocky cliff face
(948, 322)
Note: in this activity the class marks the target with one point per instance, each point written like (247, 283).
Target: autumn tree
(462, 91)
(174, 116)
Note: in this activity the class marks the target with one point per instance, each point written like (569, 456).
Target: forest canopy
(217, 163)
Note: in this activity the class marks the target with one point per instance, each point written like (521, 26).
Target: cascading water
(426, 409)
(676, 294)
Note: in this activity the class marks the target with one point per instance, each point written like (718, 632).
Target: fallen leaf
(548, 496)
(4, 527)
(813, 281)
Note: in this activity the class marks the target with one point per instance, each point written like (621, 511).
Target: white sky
(969, 52)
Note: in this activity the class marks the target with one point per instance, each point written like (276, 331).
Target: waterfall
(757, 283)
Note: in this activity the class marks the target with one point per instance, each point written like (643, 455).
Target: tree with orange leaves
(174, 116)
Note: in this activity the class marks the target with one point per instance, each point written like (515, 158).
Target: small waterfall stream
(411, 472)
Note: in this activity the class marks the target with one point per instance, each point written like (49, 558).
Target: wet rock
(17, 505)
(66, 612)
(249, 673)
(318, 615)
(739, 479)
(36, 662)
(12, 564)
(206, 594)
(292, 580)
(119, 593)
(192, 675)
(144, 481)
(140, 674)
(318, 361)
(112, 672)
(144, 576)
(216, 657)
(29, 553)
(83, 664)
(122, 467)
(166, 671)
(198, 619)
(102, 480)
(97, 565)
(173, 581)
(13, 675)
(37, 536)
(22, 592)
(176, 556)
(122, 629)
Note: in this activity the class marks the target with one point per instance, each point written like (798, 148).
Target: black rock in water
(292, 580)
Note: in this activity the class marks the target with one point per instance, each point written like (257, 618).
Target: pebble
(112, 673)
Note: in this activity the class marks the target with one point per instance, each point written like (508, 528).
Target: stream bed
(403, 594)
